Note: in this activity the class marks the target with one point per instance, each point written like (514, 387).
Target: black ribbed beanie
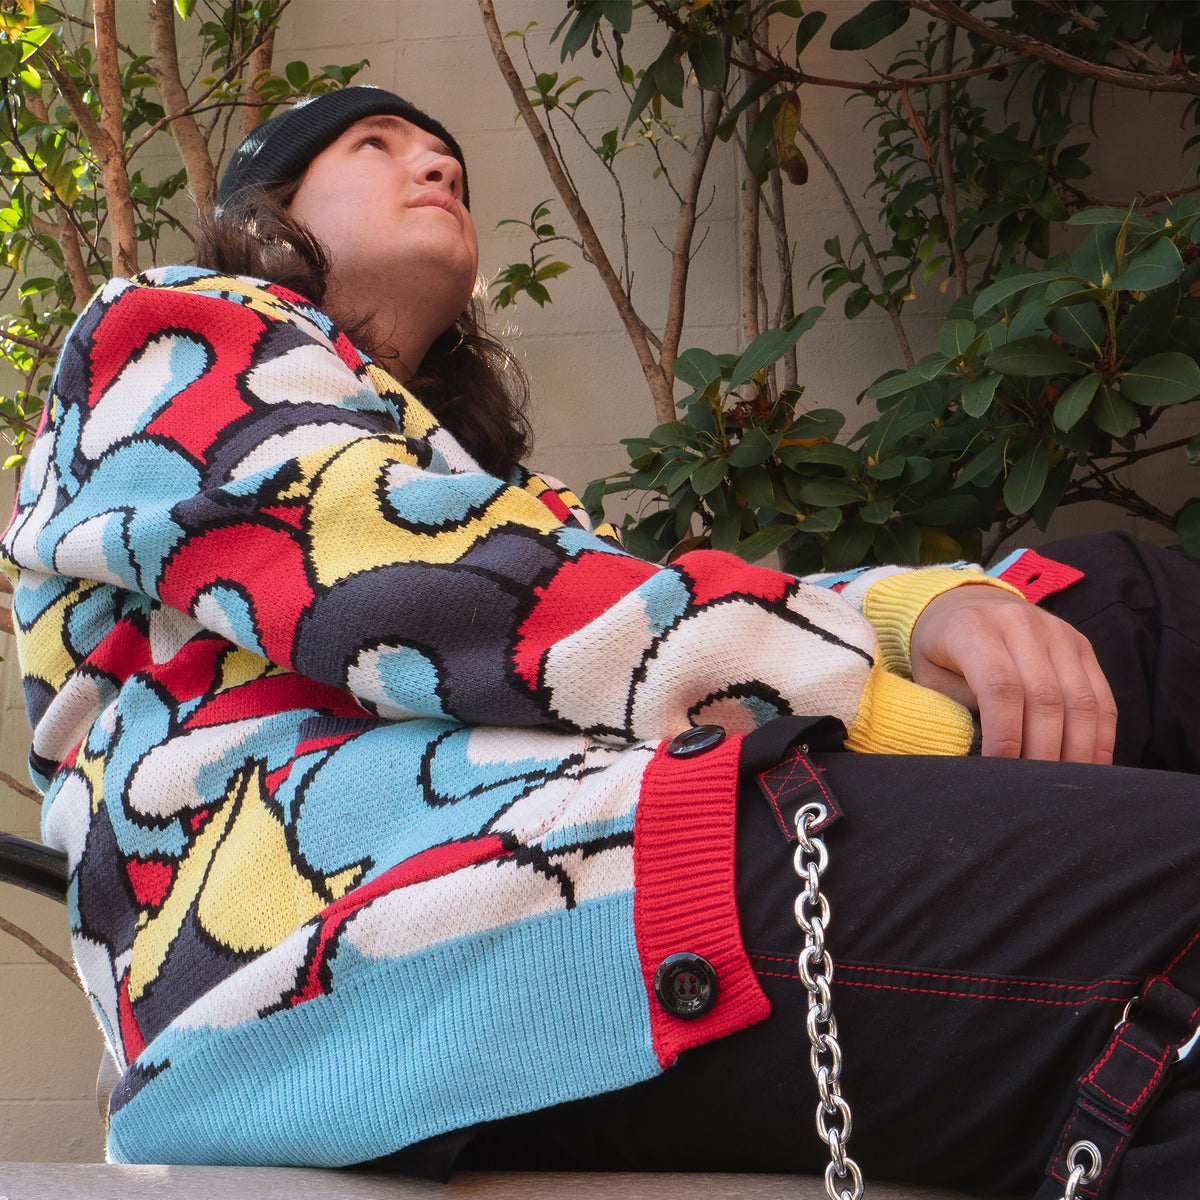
(281, 148)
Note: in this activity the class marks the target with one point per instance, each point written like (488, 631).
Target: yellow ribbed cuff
(897, 716)
(893, 605)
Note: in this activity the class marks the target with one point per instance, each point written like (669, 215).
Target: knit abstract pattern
(349, 743)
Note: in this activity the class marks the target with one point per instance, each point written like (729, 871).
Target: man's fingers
(1039, 690)
(1020, 705)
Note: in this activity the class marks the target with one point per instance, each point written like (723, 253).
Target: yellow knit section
(893, 605)
(897, 716)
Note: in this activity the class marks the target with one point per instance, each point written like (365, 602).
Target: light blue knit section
(516, 1019)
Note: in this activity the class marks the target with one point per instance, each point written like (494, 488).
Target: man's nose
(441, 169)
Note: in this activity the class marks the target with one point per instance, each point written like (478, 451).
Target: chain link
(843, 1179)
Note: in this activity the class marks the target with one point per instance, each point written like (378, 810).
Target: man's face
(385, 200)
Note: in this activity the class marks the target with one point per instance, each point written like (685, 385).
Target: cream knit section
(897, 716)
(893, 605)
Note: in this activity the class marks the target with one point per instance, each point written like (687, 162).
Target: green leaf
(977, 394)
(1170, 378)
(708, 475)
(697, 368)
(708, 61)
(955, 337)
(1026, 479)
(1154, 267)
(10, 58)
(824, 520)
(754, 486)
(848, 545)
(889, 468)
(818, 422)
(1010, 285)
(1095, 258)
(898, 543)
(953, 509)
(809, 25)
(1193, 451)
(1033, 358)
(830, 453)
(1187, 526)
(877, 512)
(1056, 487)
(772, 345)
(645, 90)
(1080, 325)
(875, 22)
(1147, 326)
(1073, 403)
(669, 79)
(1099, 216)
(891, 426)
(1113, 413)
(756, 446)
(673, 433)
(829, 493)
(894, 384)
(297, 74)
(766, 541)
(986, 466)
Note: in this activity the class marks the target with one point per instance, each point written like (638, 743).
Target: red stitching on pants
(1174, 962)
(896, 987)
(775, 785)
(1005, 979)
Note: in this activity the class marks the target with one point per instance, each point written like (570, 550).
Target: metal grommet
(1078, 1172)
(696, 740)
(1093, 1152)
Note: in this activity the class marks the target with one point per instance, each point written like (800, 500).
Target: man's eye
(374, 141)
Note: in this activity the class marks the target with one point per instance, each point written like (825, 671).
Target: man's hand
(1033, 680)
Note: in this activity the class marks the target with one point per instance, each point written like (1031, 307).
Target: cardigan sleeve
(221, 449)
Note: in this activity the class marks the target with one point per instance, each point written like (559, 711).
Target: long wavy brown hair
(470, 381)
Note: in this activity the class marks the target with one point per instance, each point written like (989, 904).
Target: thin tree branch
(751, 200)
(777, 214)
(892, 308)
(658, 382)
(949, 188)
(1158, 80)
(260, 63)
(30, 343)
(42, 951)
(64, 231)
(685, 228)
(22, 789)
(72, 217)
(111, 148)
(201, 104)
(193, 149)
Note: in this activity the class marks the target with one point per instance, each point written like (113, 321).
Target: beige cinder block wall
(588, 388)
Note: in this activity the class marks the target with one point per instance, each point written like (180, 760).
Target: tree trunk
(193, 149)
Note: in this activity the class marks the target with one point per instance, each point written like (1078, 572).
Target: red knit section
(1037, 577)
(683, 899)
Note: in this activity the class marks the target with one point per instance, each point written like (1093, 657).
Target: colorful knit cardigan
(356, 751)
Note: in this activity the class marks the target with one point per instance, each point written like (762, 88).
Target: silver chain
(843, 1179)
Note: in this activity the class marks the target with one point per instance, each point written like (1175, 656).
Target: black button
(696, 740)
(686, 985)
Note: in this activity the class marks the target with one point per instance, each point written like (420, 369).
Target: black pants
(990, 921)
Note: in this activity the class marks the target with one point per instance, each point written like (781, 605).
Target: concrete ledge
(85, 1181)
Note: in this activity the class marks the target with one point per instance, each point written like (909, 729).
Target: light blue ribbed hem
(517, 1019)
